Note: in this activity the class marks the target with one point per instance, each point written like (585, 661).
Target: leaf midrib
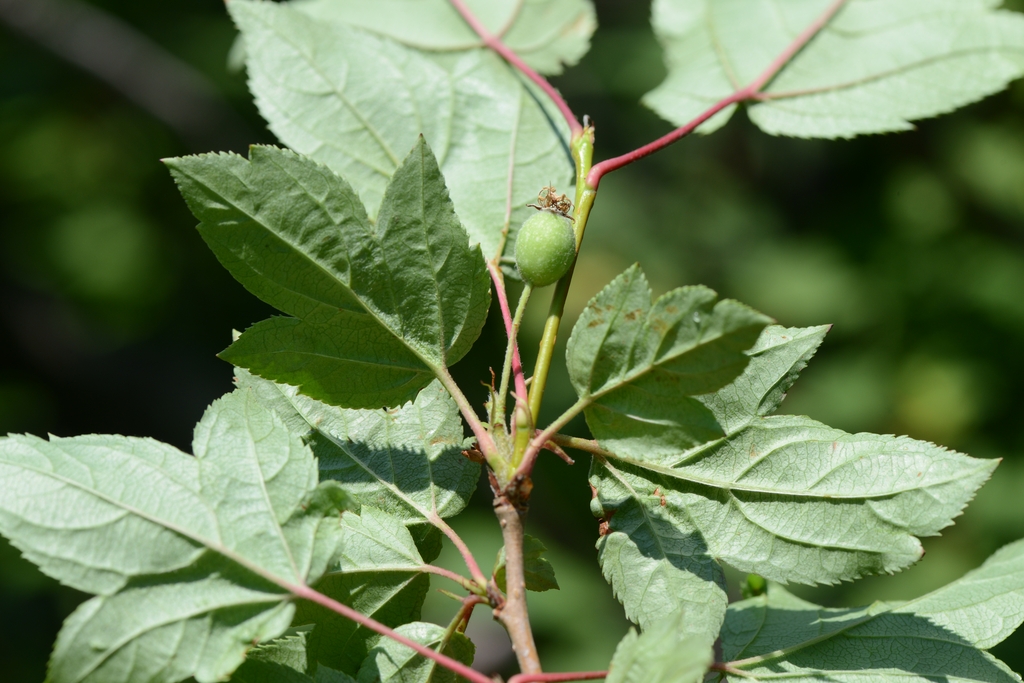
(308, 258)
(677, 474)
(393, 488)
(185, 533)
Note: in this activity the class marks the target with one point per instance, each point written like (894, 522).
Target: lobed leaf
(876, 65)
(941, 635)
(354, 101)
(546, 34)
(392, 662)
(694, 472)
(667, 652)
(378, 309)
(189, 580)
(635, 367)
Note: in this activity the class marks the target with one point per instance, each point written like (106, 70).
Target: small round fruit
(545, 248)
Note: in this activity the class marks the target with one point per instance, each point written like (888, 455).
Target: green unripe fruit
(545, 248)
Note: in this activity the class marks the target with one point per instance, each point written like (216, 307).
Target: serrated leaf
(188, 580)
(540, 575)
(391, 662)
(793, 500)
(284, 660)
(689, 480)
(940, 636)
(637, 367)
(665, 653)
(379, 573)
(378, 309)
(876, 65)
(546, 34)
(355, 101)
(289, 651)
(406, 461)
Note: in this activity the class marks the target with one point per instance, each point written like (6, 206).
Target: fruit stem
(583, 154)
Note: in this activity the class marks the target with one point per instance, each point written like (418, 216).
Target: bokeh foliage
(111, 307)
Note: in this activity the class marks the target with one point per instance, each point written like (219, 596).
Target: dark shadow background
(112, 309)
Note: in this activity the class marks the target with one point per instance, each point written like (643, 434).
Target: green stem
(583, 153)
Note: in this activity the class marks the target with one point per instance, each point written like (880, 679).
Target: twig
(307, 593)
(513, 614)
(741, 95)
(559, 677)
(510, 56)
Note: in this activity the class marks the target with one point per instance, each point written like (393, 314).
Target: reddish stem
(506, 314)
(468, 584)
(461, 546)
(494, 43)
(557, 678)
(307, 593)
(741, 95)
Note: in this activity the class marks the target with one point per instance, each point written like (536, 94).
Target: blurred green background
(112, 309)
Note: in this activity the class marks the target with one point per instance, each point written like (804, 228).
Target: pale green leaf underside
(378, 309)
(940, 636)
(547, 34)
(406, 461)
(667, 652)
(378, 572)
(187, 580)
(695, 476)
(391, 662)
(630, 361)
(356, 101)
(877, 66)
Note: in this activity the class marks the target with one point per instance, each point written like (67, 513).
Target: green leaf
(190, 579)
(378, 309)
(875, 67)
(636, 367)
(940, 636)
(284, 660)
(406, 461)
(391, 662)
(793, 500)
(689, 480)
(289, 651)
(540, 575)
(665, 653)
(355, 101)
(379, 573)
(546, 34)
